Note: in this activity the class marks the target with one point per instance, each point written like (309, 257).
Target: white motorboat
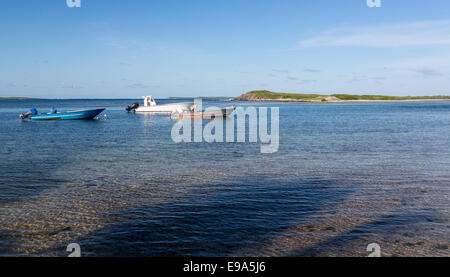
(208, 113)
(150, 106)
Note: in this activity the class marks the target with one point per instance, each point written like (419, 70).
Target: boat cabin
(149, 101)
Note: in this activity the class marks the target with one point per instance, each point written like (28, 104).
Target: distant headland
(202, 97)
(17, 98)
(265, 95)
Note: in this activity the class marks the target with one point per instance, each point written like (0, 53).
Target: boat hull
(209, 114)
(71, 115)
(165, 108)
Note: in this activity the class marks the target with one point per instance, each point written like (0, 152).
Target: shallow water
(346, 175)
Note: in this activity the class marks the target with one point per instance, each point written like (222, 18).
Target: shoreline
(341, 101)
(265, 95)
(280, 100)
(19, 98)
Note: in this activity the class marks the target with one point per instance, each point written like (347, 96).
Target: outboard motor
(133, 107)
(32, 111)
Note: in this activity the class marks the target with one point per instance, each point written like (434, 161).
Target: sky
(130, 48)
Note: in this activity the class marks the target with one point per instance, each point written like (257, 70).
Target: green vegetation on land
(9, 98)
(268, 95)
(383, 97)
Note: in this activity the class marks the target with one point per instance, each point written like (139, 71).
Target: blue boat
(69, 115)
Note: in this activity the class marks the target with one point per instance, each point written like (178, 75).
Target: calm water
(345, 175)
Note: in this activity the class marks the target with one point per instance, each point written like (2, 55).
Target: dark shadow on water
(355, 241)
(250, 212)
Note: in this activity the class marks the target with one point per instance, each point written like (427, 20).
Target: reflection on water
(345, 175)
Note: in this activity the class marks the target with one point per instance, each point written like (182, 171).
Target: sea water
(345, 175)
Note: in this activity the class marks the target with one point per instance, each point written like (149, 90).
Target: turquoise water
(346, 175)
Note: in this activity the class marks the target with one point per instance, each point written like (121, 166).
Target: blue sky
(125, 49)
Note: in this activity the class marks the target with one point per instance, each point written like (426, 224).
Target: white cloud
(427, 72)
(427, 66)
(438, 61)
(385, 35)
(311, 70)
(72, 86)
(138, 86)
